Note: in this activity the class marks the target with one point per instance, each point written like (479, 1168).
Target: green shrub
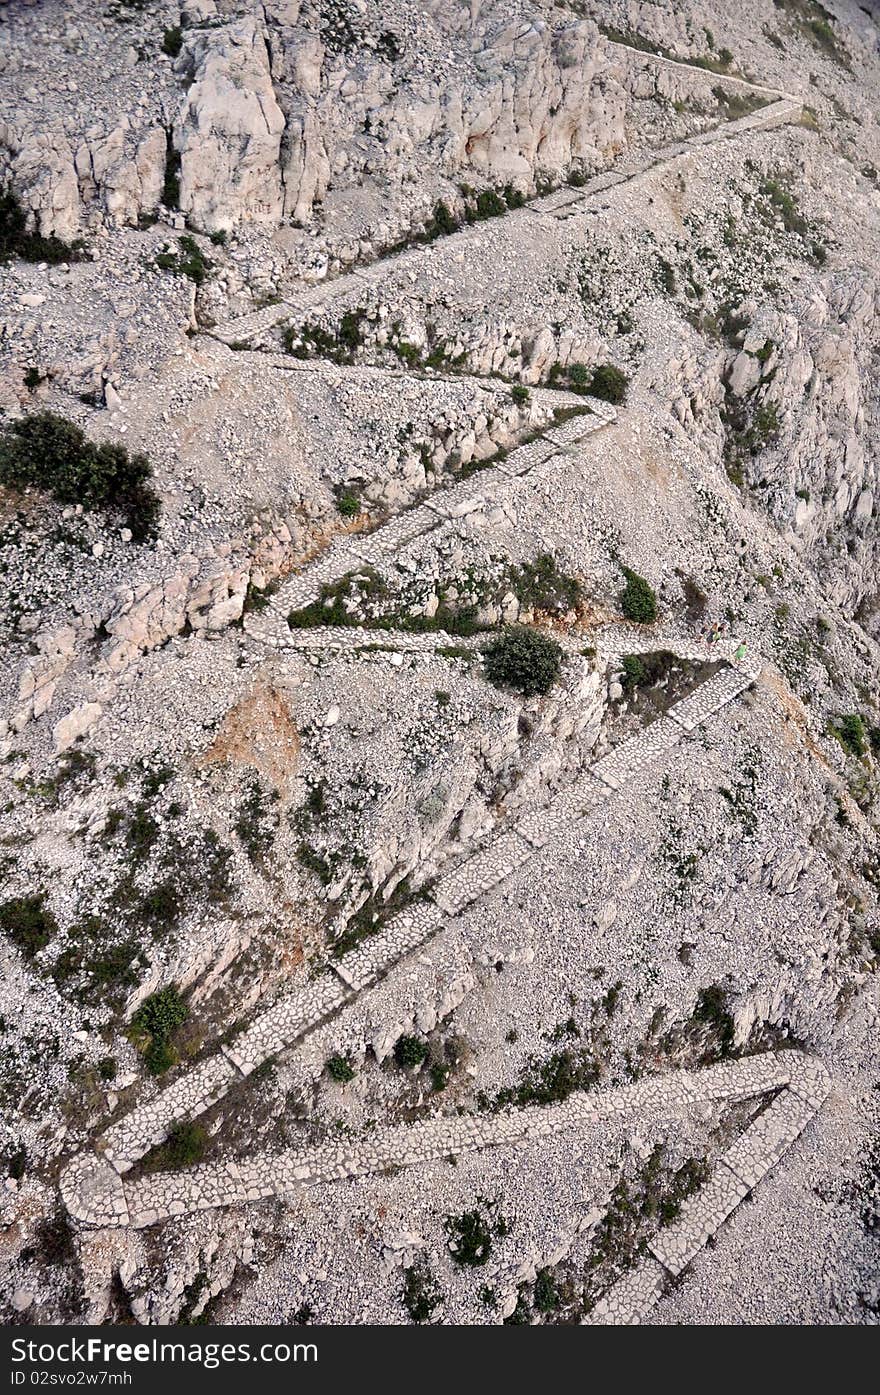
(157, 1017)
(547, 1297)
(161, 1013)
(489, 204)
(340, 1069)
(16, 241)
(520, 394)
(103, 969)
(189, 261)
(172, 41)
(107, 1068)
(634, 671)
(420, 1292)
(523, 659)
(171, 177)
(638, 600)
(442, 223)
(185, 1144)
(541, 585)
(850, 732)
(159, 1057)
(410, 1052)
(348, 502)
(471, 1235)
(47, 452)
(609, 383)
(27, 923)
(161, 906)
(550, 1081)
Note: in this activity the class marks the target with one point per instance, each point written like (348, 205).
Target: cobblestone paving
(347, 553)
(92, 1187)
(95, 1195)
(299, 1012)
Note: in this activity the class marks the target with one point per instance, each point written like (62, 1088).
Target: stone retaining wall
(303, 1009)
(95, 1195)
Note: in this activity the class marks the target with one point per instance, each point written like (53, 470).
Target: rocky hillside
(438, 513)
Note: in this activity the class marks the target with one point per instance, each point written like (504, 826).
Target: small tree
(638, 600)
(523, 659)
(47, 452)
(155, 1020)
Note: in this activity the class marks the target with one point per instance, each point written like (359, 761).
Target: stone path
(95, 1194)
(565, 202)
(92, 1185)
(351, 551)
(745, 1163)
(302, 1010)
(562, 203)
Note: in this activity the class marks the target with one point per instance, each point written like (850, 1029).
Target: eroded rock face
(228, 134)
(278, 115)
(531, 101)
(39, 165)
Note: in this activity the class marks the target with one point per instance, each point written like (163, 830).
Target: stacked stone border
(550, 451)
(304, 1009)
(95, 1194)
(92, 1185)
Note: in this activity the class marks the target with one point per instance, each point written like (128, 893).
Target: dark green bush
(410, 1052)
(103, 969)
(471, 1234)
(543, 586)
(47, 452)
(578, 375)
(609, 383)
(634, 672)
(27, 923)
(172, 41)
(443, 221)
(638, 600)
(547, 1297)
(16, 241)
(550, 1081)
(171, 177)
(850, 732)
(161, 1013)
(420, 1292)
(257, 821)
(523, 659)
(157, 1017)
(340, 1069)
(712, 1011)
(159, 1056)
(348, 501)
(189, 261)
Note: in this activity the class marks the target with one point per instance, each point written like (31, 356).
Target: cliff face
(280, 107)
